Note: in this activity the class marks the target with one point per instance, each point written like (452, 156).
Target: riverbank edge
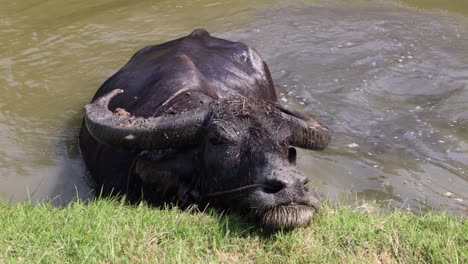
(109, 231)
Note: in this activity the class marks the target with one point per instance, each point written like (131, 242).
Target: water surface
(390, 80)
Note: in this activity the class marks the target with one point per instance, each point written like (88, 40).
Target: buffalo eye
(217, 140)
(292, 154)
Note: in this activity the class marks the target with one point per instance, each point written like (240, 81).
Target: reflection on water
(391, 81)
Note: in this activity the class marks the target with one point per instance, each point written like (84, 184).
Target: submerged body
(195, 120)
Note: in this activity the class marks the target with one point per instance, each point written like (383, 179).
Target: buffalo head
(234, 154)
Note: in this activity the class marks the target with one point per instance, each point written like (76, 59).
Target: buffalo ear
(306, 132)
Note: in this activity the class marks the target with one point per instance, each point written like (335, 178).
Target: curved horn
(306, 132)
(142, 133)
(308, 135)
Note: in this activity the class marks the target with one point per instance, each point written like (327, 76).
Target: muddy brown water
(390, 79)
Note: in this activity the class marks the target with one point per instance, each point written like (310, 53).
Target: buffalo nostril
(273, 186)
(305, 187)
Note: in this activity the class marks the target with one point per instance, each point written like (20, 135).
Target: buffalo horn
(306, 132)
(142, 133)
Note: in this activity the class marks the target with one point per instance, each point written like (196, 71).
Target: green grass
(106, 231)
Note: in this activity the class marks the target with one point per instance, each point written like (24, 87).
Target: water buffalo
(196, 121)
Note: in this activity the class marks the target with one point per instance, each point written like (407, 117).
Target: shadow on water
(73, 181)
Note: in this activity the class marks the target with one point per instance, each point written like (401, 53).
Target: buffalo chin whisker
(287, 216)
